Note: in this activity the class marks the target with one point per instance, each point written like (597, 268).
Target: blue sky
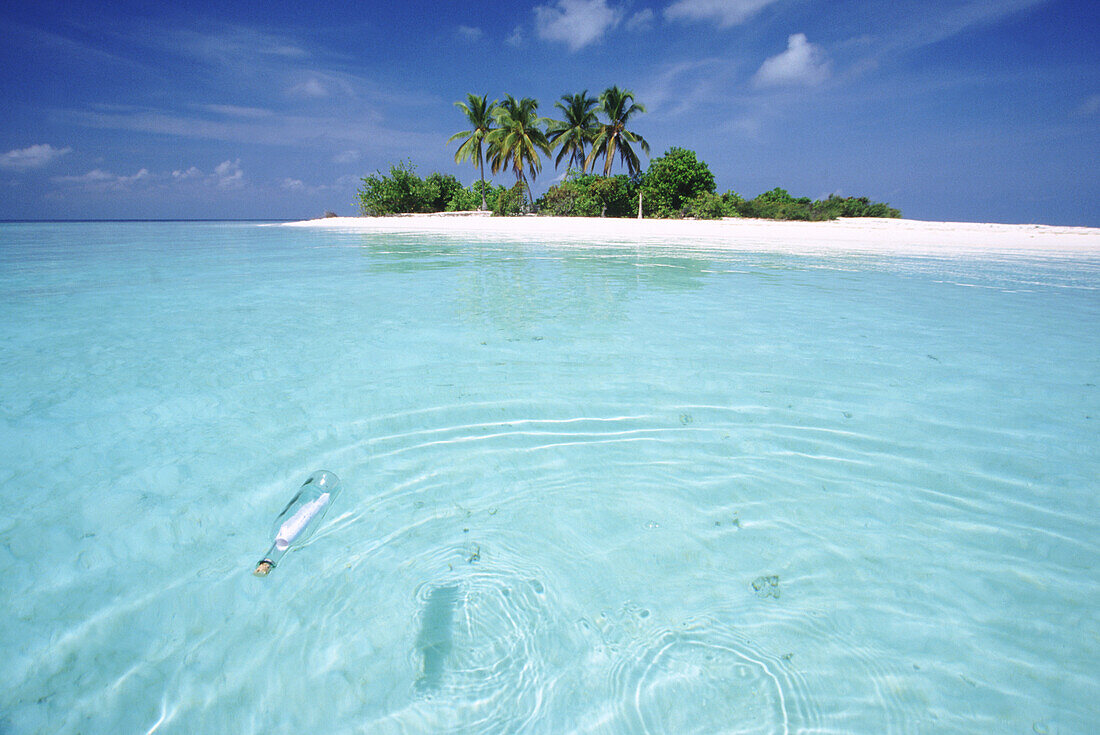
(979, 110)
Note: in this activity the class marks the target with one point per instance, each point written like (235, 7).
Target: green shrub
(401, 191)
(672, 179)
(706, 205)
(879, 209)
(778, 204)
(469, 198)
(857, 207)
(440, 189)
(617, 195)
(588, 195)
(510, 202)
(568, 200)
(732, 202)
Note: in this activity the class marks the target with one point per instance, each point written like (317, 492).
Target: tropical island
(510, 135)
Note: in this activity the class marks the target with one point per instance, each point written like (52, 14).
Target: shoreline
(885, 236)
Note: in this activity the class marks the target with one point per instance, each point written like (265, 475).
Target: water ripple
(731, 685)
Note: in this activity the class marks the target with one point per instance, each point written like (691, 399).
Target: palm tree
(576, 131)
(613, 137)
(479, 113)
(518, 138)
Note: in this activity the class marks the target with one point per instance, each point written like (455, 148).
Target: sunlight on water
(606, 490)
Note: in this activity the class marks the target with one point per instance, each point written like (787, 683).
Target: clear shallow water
(596, 491)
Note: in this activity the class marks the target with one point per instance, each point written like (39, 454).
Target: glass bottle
(300, 518)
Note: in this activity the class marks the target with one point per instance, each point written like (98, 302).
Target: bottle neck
(270, 561)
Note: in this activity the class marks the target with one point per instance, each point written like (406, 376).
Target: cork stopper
(263, 568)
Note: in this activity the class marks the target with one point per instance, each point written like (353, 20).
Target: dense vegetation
(402, 191)
(510, 135)
(586, 195)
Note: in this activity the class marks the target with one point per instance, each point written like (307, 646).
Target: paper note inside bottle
(294, 525)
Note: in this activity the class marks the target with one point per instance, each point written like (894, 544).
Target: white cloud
(342, 185)
(516, 39)
(725, 13)
(228, 175)
(34, 156)
(98, 180)
(803, 63)
(189, 174)
(576, 23)
(350, 156)
(469, 33)
(640, 21)
(311, 87)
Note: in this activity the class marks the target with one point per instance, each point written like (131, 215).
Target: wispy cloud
(469, 33)
(255, 88)
(293, 184)
(334, 133)
(38, 40)
(230, 46)
(237, 110)
(348, 156)
(641, 21)
(262, 69)
(802, 64)
(98, 180)
(679, 88)
(576, 23)
(916, 30)
(725, 13)
(35, 156)
(311, 87)
(342, 184)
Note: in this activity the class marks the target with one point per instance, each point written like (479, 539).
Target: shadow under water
(436, 637)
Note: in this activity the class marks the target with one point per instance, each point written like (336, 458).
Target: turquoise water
(606, 490)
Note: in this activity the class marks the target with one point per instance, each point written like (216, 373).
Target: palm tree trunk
(481, 163)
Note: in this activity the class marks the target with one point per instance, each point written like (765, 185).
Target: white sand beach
(897, 236)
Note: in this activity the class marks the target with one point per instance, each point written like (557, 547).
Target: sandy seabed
(896, 236)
